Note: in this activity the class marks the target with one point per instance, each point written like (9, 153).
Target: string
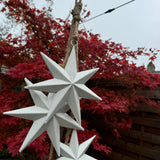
(108, 11)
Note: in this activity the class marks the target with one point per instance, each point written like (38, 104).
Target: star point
(75, 151)
(68, 84)
(38, 114)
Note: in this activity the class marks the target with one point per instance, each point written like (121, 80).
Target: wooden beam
(147, 137)
(153, 94)
(133, 148)
(146, 108)
(73, 36)
(149, 122)
(118, 156)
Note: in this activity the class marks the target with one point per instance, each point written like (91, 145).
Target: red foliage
(21, 55)
(39, 146)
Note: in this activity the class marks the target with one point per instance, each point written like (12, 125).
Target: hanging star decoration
(67, 84)
(38, 115)
(49, 113)
(75, 151)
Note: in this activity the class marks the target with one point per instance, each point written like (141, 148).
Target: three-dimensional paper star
(38, 115)
(68, 84)
(75, 151)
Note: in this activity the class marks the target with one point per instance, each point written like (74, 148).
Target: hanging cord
(108, 11)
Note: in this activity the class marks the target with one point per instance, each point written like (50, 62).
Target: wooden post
(72, 40)
(73, 37)
(51, 150)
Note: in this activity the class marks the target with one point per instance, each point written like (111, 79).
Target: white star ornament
(75, 151)
(38, 115)
(68, 84)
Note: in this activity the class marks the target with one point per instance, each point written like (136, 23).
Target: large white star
(68, 84)
(38, 115)
(76, 151)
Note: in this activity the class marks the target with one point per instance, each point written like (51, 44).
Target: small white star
(76, 151)
(38, 115)
(68, 84)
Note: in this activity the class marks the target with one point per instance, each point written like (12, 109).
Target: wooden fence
(142, 141)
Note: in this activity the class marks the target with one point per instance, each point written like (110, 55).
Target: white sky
(135, 25)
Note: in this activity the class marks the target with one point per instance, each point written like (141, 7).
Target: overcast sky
(134, 25)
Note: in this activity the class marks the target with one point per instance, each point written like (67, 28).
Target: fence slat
(143, 136)
(149, 109)
(150, 122)
(133, 148)
(119, 156)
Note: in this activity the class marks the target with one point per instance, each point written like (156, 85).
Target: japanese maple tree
(43, 33)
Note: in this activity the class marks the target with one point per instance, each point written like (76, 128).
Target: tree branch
(73, 30)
